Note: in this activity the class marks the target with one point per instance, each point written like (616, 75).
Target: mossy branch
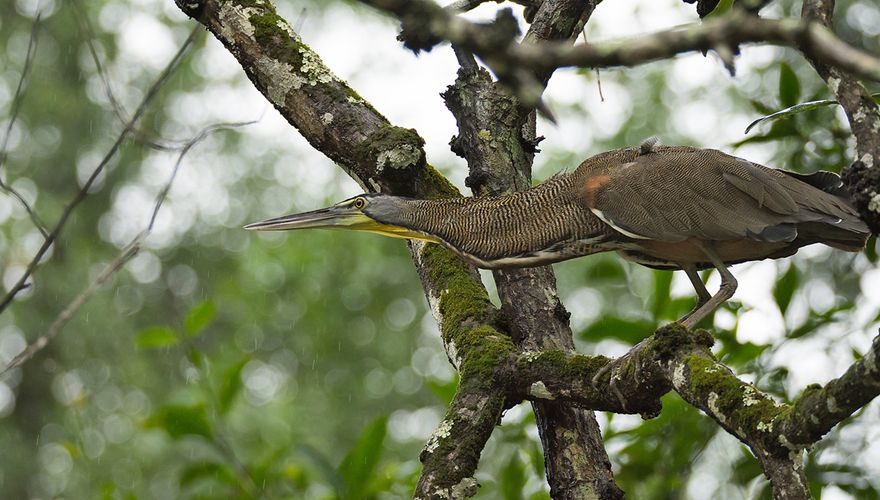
(381, 157)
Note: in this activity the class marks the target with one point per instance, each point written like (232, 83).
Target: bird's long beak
(337, 218)
(332, 217)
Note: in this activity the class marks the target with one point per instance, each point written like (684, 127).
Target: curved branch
(501, 50)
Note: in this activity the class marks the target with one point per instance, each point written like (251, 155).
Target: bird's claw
(626, 366)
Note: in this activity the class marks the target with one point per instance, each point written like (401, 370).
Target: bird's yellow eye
(359, 203)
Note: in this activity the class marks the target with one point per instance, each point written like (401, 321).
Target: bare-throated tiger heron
(663, 207)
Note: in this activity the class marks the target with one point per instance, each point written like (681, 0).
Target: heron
(665, 207)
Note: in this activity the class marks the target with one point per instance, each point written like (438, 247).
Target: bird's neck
(534, 227)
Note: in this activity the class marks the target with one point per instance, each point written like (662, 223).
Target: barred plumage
(666, 207)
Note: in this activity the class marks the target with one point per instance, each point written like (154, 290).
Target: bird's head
(366, 212)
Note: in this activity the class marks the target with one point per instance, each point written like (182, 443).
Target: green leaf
(443, 390)
(207, 470)
(359, 464)
(791, 111)
(319, 460)
(871, 250)
(513, 478)
(785, 288)
(199, 317)
(789, 86)
(627, 330)
(231, 385)
(155, 337)
(662, 286)
(739, 354)
(722, 8)
(181, 420)
(798, 108)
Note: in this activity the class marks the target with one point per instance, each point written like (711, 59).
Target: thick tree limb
(863, 114)
(777, 433)
(496, 136)
(499, 49)
(820, 408)
(381, 157)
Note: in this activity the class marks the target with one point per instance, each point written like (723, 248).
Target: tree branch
(496, 136)
(84, 190)
(673, 358)
(127, 253)
(820, 408)
(500, 50)
(863, 114)
(13, 115)
(381, 157)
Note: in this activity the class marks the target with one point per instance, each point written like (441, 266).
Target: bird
(665, 207)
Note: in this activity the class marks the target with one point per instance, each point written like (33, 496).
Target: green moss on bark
(740, 405)
(393, 147)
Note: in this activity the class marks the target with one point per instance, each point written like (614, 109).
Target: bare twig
(84, 191)
(465, 5)
(13, 115)
(158, 143)
(127, 253)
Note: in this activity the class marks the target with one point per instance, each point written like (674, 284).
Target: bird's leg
(728, 286)
(703, 295)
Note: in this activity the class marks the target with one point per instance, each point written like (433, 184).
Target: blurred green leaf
(536, 458)
(214, 471)
(155, 337)
(785, 287)
(871, 250)
(745, 470)
(626, 330)
(791, 111)
(230, 385)
(196, 357)
(760, 107)
(789, 86)
(181, 420)
(795, 109)
(360, 462)
(662, 286)
(199, 317)
(722, 8)
(322, 463)
(739, 354)
(604, 267)
(513, 478)
(775, 382)
(443, 390)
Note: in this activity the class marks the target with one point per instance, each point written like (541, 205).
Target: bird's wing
(672, 194)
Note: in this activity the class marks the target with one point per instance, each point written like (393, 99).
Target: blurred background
(221, 363)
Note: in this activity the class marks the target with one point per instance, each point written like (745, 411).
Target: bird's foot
(626, 367)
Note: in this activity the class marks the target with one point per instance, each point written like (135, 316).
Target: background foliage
(220, 363)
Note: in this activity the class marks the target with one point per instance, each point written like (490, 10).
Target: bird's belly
(667, 254)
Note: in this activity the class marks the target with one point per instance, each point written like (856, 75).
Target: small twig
(158, 143)
(465, 5)
(13, 115)
(84, 191)
(127, 253)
